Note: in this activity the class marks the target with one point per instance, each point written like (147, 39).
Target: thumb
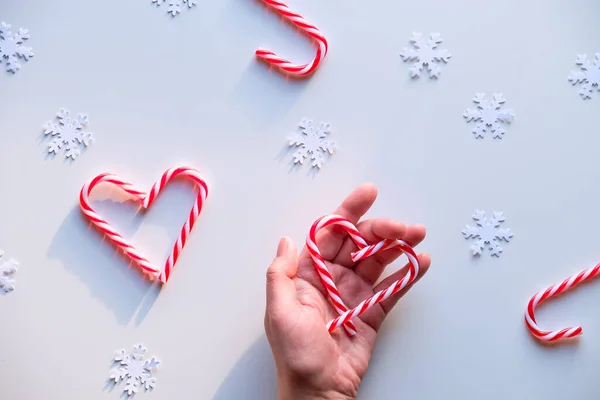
(281, 289)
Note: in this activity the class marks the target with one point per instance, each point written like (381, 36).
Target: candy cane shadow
(111, 276)
(253, 377)
(263, 93)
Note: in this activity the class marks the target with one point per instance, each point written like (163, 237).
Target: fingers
(372, 230)
(281, 290)
(371, 268)
(387, 305)
(353, 208)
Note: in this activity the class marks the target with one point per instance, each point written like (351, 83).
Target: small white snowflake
(69, 132)
(134, 370)
(311, 142)
(12, 49)
(488, 115)
(7, 271)
(488, 232)
(589, 75)
(175, 6)
(425, 54)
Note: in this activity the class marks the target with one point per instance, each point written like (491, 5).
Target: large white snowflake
(425, 53)
(589, 75)
(488, 115)
(70, 133)
(488, 232)
(312, 142)
(134, 370)
(12, 49)
(7, 271)
(175, 6)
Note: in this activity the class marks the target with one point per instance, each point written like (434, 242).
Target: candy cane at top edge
(411, 275)
(296, 70)
(364, 252)
(147, 267)
(554, 290)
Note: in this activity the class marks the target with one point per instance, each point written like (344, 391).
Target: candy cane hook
(296, 70)
(565, 333)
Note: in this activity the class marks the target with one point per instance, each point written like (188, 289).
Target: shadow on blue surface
(109, 275)
(253, 377)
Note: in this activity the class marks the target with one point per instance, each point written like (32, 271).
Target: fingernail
(282, 248)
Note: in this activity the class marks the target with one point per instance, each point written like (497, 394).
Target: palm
(338, 360)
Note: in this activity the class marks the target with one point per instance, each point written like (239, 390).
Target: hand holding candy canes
(299, 310)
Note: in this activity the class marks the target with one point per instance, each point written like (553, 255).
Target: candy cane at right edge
(297, 70)
(552, 336)
(364, 252)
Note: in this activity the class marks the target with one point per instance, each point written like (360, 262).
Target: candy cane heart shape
(364, 251)
(295, 70)
(146, 199)
(555, 290)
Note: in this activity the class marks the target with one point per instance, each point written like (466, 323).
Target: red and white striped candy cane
(555, 290)
(364, 251)
(147, 200)
(297, 70)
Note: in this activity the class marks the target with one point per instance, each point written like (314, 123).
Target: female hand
(311, 362)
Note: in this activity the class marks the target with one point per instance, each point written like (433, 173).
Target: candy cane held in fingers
(555, 290)
(364, 251)
(411, 275)
(296, 70)
(147, 200)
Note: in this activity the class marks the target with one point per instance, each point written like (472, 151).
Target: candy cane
(297, 70)
(364, 251)
(147, 200)
(555, 290)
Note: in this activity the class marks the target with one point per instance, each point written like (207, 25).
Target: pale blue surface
(161, 91)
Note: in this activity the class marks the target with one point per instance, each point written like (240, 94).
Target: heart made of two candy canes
(364, 251)
(146, 199)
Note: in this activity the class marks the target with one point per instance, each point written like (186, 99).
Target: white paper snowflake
(70, 133)
(589, 75)
(311, 142)
(134, 370)
(425, 54)
(175, 6)
(12, 49)
(488, 115)
(7, 272)
(488, 232)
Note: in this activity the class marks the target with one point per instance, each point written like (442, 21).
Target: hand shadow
(110, 275)
(253, 377)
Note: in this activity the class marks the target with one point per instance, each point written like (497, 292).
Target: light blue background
(161, 91)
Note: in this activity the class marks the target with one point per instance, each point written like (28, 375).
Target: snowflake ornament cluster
(12, 49)
(425, 53)
(175, 6)
(488, 115)
(312, 142)
(488, 232)
(588, 75)
(69, 134)
(135, 370)
(7, 272)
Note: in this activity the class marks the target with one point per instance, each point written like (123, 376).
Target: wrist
(288, 390)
